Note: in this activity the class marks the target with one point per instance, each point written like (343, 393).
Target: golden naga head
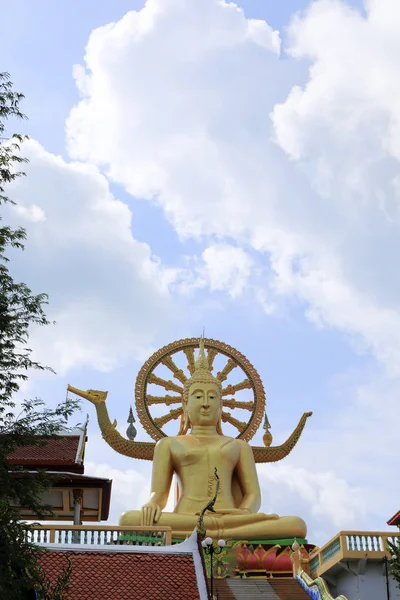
(201, 378)
(94, 396)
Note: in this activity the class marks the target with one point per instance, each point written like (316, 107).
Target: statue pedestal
(257, 559)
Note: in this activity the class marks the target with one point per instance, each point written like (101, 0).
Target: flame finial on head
(201, 363)
(201, 373)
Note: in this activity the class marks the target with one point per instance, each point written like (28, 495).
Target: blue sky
(274, 266)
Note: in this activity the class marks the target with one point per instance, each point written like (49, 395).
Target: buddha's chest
(210, 453)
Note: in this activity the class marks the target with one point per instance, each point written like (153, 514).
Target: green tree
(394, 565)
(31, 422)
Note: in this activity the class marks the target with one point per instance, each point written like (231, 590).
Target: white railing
(351, 544)
(99, 534)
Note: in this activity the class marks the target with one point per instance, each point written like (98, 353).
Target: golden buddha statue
(192, 456)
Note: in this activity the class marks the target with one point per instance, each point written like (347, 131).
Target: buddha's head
(201, 396)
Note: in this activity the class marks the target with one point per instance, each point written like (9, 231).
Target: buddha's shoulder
(226, 439)
(164, 443)
(171, 439)
(235, 441)
(240, 445)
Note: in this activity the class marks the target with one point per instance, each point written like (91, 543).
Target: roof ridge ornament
(131, 432)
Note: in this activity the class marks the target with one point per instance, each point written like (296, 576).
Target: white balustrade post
(78, 499)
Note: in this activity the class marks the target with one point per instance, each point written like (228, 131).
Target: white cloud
(223, 268)
(327, 502)
(108, 294)
(341, 473)
(129, 487)
(227, 268)
(30, 213)
(343, 129)
(176, 82)
(188, 104)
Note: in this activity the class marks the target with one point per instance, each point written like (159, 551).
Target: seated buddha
(192, 455)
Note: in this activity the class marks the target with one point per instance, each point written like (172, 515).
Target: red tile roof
(58, 453)
(120, 575)
(395, 520)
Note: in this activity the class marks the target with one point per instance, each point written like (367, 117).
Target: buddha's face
(204, 407)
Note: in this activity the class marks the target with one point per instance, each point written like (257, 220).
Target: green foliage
(394, 564)
(46, 591)
(31, 423)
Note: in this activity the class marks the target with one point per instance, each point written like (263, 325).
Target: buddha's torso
(194, 459)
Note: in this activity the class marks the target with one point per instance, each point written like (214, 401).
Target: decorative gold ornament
(201, 530)
(267, 438)
(145, 450)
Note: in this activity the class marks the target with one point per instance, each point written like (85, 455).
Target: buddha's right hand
(149, 514)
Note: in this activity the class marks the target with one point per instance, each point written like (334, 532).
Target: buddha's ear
(185, 423)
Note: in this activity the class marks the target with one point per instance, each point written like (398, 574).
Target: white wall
(369, 586)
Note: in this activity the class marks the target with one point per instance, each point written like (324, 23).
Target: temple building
(74, 497)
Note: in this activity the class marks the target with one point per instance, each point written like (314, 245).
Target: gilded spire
(202, 372)
(266, 424)
(201, 363)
